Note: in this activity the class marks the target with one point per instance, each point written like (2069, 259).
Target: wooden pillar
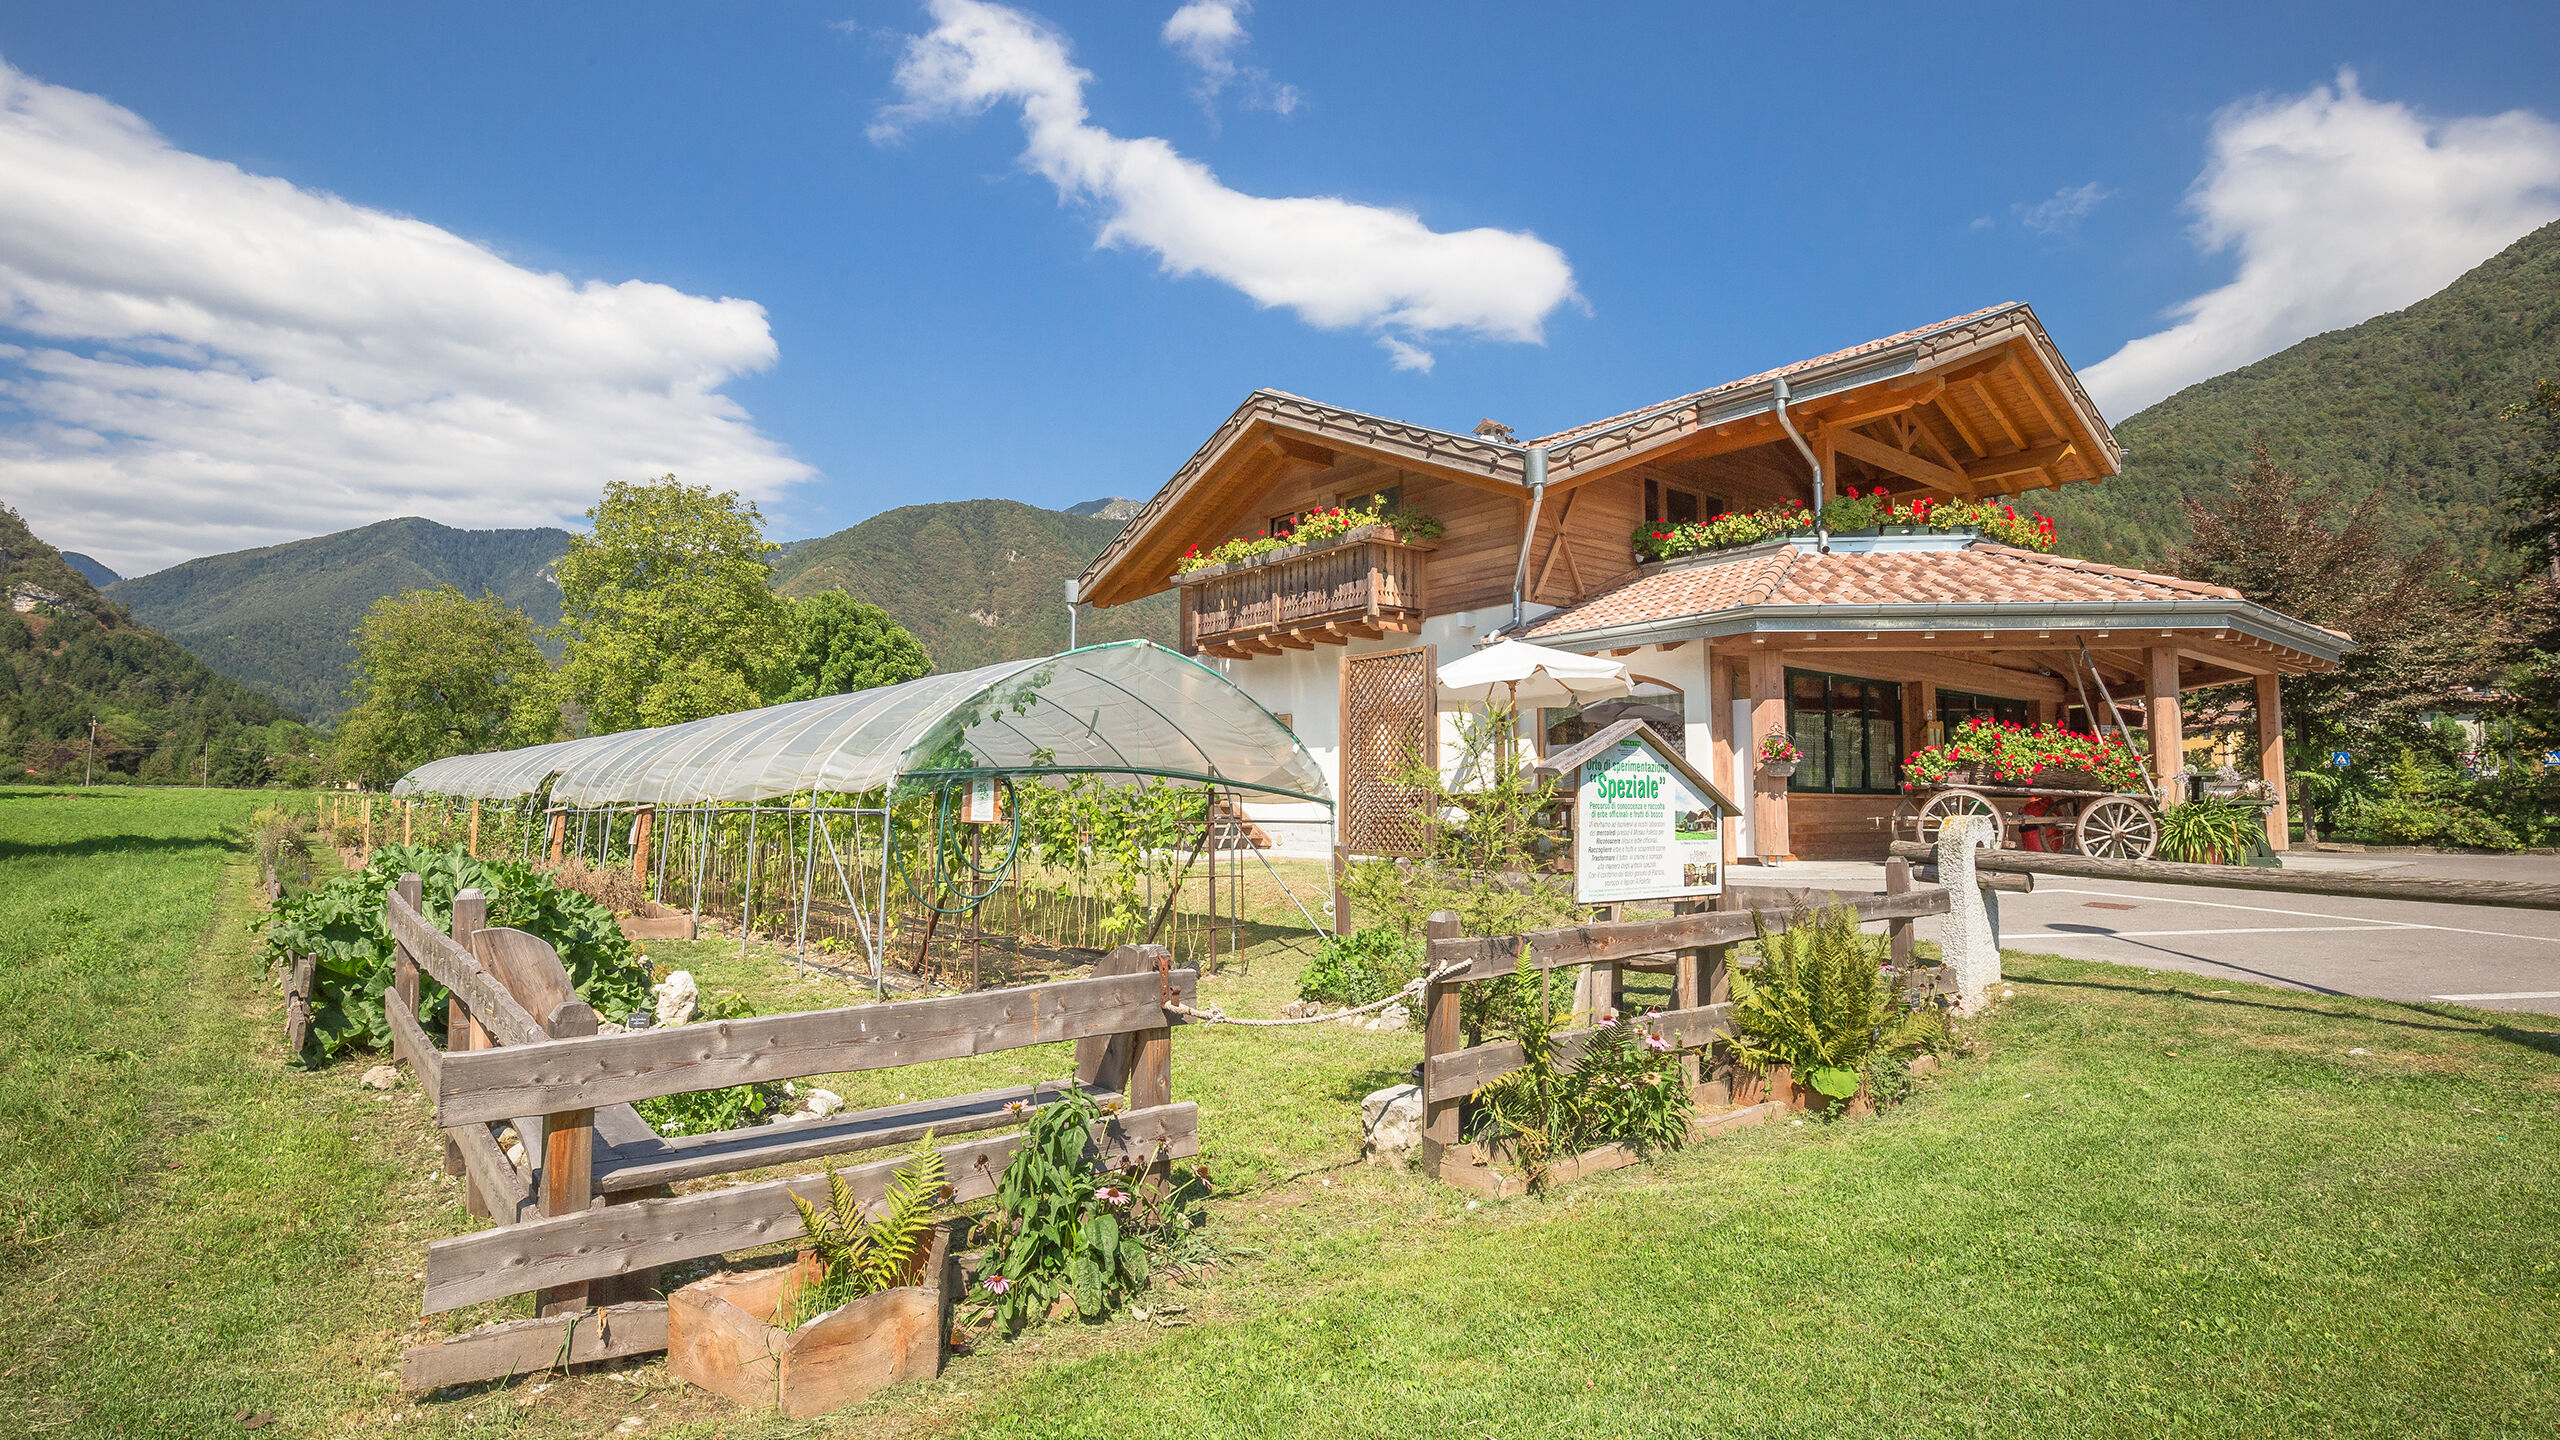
(1439, 1037)
(1768, 793)
(404, 966)
(1720, 753)
(2167, 726)
(404, 822)
(368, 827)
(1341, 897)
(642, 831)
(560, 829)
(2271, 760)
(472, 846)
(1716, 982)
(1904, 941)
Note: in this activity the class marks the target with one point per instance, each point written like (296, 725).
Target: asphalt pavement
(2484, 956)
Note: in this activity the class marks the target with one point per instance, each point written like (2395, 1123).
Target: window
(1956, 707)
(1850, 732)
(1388, 500)
(1281, 525)
(1672, 505)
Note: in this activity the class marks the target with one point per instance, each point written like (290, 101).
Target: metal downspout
(1534, 471)
(1821, 537)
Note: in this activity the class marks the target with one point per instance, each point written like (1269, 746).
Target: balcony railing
(1358, 586)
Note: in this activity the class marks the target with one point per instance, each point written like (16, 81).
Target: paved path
(2390, 949)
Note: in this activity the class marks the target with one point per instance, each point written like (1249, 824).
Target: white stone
(822, 1102)
(1391, 1125)
(607, 1027)
(382, 1077)
(1301, 1009)
(1394, 1017)
(1969, 940)
(515, 1153)
(677, 998)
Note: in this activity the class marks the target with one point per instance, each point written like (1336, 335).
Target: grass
(2135, 1206)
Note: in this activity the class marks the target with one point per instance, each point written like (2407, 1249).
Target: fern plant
(858, 1255)
(1820, 1004)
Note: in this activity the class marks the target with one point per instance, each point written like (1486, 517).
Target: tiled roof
(1981, 573)
(1886, 342)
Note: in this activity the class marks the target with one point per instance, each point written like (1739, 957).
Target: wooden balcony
(1358, 586)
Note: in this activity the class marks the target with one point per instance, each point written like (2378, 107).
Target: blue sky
(1728, 188)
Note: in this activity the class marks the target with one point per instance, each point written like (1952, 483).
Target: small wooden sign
(1646, 824)
(985, 805)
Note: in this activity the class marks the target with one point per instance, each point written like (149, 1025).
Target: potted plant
(858, 1311)
(1821, 1004)
(1779, 756)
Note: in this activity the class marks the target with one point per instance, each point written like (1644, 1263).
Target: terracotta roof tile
(1978, 574)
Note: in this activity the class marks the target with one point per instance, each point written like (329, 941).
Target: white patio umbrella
(1530, 676)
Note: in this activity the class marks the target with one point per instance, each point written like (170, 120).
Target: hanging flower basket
(1778, 769)
(1779, 755)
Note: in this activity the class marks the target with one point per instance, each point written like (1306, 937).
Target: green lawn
(2135, 1207)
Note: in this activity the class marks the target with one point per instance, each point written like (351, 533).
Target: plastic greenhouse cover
(1131, 708)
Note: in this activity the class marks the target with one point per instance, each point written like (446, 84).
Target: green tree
(840, 645)
(437, 674)
(665, 607)
(2280, 540)
(2533, 491)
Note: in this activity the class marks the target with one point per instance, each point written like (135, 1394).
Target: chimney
(1496, 430)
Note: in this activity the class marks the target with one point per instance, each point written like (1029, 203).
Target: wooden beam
(1305, 452)
(1911, 467)
(521, 1348)
(1457, 1074)
(2018, 463)
(1610, 943)
(2270, 697)
(1938, 665)
(563, 1075)
(1948, 412)
(1999, 416)
(1289, 640)
(2053, 422)
(617, 1239)
(1555, 547)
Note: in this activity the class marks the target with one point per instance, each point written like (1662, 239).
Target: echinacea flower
(995, 1284)
(1111, 1195)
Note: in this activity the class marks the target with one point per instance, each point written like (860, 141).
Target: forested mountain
(2408, 401)
(282, 619)
(70, 656)
(977, 581)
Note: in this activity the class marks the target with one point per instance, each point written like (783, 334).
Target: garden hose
(983, 880)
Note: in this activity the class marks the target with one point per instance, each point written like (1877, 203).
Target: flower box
(2061, 777)
(1379, 534)
(721, 1336)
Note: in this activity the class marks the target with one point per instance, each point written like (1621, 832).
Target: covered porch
(1863, 650)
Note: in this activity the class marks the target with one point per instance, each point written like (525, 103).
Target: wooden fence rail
(2510, 893)
(520, 1048)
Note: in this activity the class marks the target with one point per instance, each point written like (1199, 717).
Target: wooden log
(2512, 894)
(2001, 881)
(545, 1078)
(617, 1239)
(1455, 1075)
(1441, 1000)
(491, 1006)
(1487, 958)
(297, 1002)
(526, 1347)
(1903, 938)
(756, 1147)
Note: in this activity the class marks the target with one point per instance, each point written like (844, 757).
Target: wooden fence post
(405, 809)
(1717, 982)
(1341, 897)
(559, 830)
(461, 1032)
(1439, 1037)
(297, 1003)
(471, 847)
(643, 831)
(368, 827)
(568, 1156)
(404, 966)
(1904, 933)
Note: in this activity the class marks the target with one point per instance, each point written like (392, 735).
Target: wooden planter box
(1496, 1177)
(653, 921)
(720, 1336)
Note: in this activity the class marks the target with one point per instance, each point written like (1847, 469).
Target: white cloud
(2340, 208)
(210, 359)
(2063, 212)
(1336, 264)
(1208, 33)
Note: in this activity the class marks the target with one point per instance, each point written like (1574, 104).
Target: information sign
(1642, 828)
(983, 806)
(2341, 759)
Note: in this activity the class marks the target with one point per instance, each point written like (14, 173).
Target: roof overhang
(2006, 622)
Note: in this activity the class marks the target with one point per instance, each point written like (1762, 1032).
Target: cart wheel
(2118, 829)
(1948, 804)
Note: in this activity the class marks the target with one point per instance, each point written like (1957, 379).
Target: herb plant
(1058, 1227)
(1626, 1087)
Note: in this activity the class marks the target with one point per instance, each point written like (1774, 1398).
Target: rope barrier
(1214, 1016)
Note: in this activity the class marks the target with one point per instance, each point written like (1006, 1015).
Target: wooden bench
(587, 1221)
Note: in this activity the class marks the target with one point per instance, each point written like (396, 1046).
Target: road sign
(2341, 759)
(2551, 759)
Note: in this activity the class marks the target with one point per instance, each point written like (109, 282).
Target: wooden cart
(2111, 824)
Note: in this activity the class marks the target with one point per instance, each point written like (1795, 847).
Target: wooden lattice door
(1390, 718)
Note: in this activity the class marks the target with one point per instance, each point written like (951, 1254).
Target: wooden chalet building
(1863, 649)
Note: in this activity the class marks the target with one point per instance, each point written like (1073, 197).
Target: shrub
(1626, 1088)
(2209, 831)
(1368, 964)
(1821, 1003)
(612, 886)
(1065, 1226)
(340, 924)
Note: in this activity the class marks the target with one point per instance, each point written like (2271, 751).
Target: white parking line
(2505, 995)
(2363, 921)
(2253, 930)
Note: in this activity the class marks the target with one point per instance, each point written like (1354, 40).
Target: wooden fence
(1694, 948)
(587, 1221)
